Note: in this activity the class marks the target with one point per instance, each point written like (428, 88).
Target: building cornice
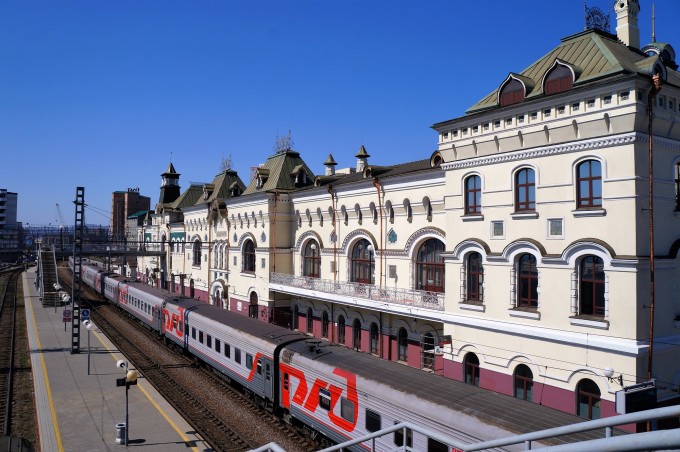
(544, 151)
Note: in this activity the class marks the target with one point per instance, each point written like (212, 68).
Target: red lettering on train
(352, 396)
(173, 321)
(309, 399)
(122, 294)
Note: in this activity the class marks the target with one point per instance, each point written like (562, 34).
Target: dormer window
(512, 92)
(558, 79)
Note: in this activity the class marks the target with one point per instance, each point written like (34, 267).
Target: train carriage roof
(267, 331)
(500, 410)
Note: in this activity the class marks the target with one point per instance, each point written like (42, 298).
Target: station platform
(79, 412)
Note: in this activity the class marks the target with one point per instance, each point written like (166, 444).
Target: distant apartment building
(9, 228)
(124, 204)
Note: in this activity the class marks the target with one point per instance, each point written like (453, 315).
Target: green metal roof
(593, 54)
(280, 168)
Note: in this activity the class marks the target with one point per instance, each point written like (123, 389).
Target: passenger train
(339, 393)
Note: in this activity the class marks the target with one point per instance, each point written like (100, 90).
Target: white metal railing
(656, 440)
(405, 297)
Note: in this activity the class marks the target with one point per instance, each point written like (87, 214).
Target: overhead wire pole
(78, 228)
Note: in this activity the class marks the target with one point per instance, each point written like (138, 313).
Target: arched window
(591, 291)
(524, 383)
(589, 184)
(249, 256)
(356, 334)
(559, 79)
(402, 345)
(588, 399)
(475, 278)
(341, 330)
(312, 260)
(471, 369)
(473, 195)
(430, 266)
(527, 282)
(324, 325)
(375, 338)
(310, 321)
(512, 92)
(196, 253)
(525, 190)
(362, 263)
(253, 306)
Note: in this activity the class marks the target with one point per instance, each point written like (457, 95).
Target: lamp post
(88, 326)
(127, 381)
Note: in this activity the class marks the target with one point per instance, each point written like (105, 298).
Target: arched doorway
(253, 306)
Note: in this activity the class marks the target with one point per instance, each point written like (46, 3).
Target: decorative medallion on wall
(333, 237)
(263, 237)
(235, 238)
(391, 236)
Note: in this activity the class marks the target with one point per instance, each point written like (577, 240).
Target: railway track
(223, 416)
(8, 313)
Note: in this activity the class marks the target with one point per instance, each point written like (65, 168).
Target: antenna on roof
(596, 18)
(284, 143)
(653, 24)
(226, 163)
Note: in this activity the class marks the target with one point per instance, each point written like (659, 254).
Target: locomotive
(339, 393)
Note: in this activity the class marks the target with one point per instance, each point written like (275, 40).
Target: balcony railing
(404, 297)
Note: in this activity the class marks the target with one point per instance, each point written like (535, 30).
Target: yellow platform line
(162, 412)
(60, 445)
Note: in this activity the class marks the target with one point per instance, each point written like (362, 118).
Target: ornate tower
(627, 22)
(170, 186)
(362, 159)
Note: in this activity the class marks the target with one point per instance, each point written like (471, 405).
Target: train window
(347, 409)
(285, 381)
(200, 337)
(181, 327)
(249, 361)
(436, 446)
(193, 333)
(259, 368)
(399, 437)
(218, 345)
(174, 323)
(237, 355)
(227, 350)
(373, 423)
(208, 340)
(325, 399)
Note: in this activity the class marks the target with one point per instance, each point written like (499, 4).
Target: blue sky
(103, 94)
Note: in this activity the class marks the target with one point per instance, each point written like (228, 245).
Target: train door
(268, 379)
(161, 315)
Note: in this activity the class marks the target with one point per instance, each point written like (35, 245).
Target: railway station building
(514, 256)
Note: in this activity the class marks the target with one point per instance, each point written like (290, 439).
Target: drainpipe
(273, 242)
(335, 232)
(210, 243)
(378, 187)
(656, 87)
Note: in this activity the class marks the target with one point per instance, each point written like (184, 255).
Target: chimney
(627, 22)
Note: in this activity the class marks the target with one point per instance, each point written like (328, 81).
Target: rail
(405, 297)
(657, 440)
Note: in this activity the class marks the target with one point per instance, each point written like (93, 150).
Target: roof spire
(653, 24)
